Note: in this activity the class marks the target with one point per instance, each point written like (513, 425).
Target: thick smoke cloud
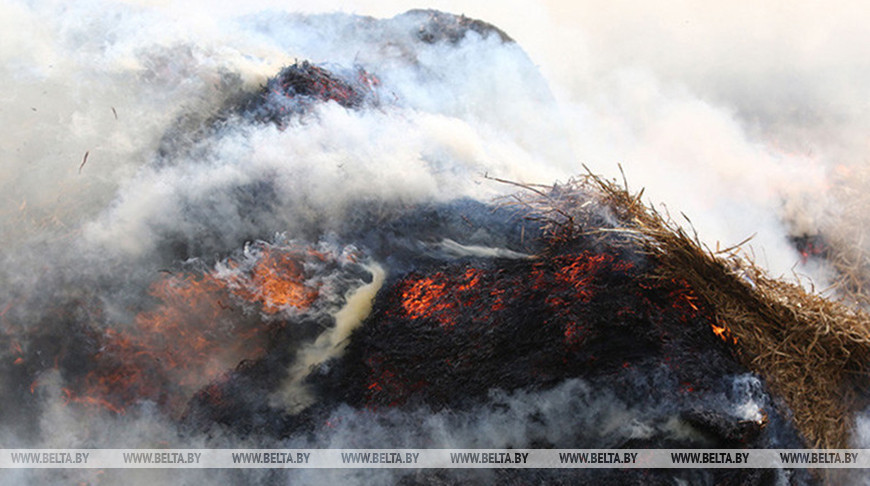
(735, 115)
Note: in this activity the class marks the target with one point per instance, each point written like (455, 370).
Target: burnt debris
(439, 26)
(298, 86)
(586, 322)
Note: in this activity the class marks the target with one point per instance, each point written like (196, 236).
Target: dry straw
(814, 353)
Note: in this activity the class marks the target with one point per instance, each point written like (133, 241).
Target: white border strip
(434, 458)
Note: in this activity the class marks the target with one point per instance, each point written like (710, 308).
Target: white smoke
(732, 115)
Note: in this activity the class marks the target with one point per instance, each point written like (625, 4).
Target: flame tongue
(198, 330)
(190, 338)
(276, 281)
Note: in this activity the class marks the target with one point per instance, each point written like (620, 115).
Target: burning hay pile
(812, 352)
(314, 263)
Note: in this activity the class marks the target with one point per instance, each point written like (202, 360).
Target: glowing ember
(423, 298)
(684, 299)
(723, 333)
(386, 383)
(171, 351)
(579, 272)
(196, 328)
(810, 246)
(193, 335)
(478, 296)
(578, 314)
(440, 296)
(277, 281)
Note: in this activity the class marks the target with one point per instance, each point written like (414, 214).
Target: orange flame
(193, 335)
(426, 297)
(723, 333)
(277, 281)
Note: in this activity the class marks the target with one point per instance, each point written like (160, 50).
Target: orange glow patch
(573, 334)
(169, 352)
(440, 296)
(723, 333)
(70, 396)
(579, 271)
(684, 300)
(277, 281)
(475, 295)
(193, 335)
(425, 298)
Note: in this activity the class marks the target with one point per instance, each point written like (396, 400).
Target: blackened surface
(811, 247)
(512, 324)
(297, 87)
(438, 26)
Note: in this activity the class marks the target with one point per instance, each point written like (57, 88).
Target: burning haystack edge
(812, 352)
